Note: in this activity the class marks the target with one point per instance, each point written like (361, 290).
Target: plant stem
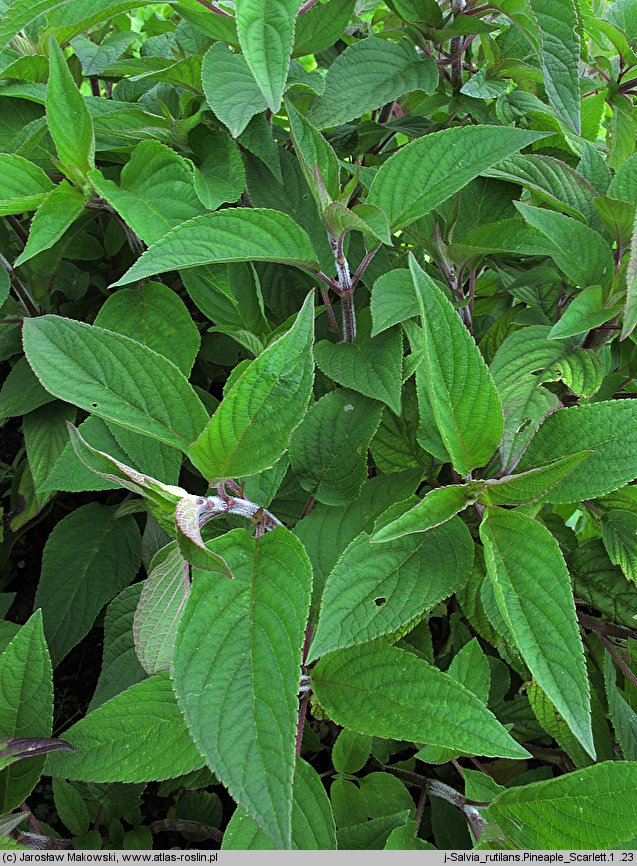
(628, 673)
(14, 222)
(309, 505)
(457, 49)
(19, 289)
(180, 825)
(306, 697)
(420, 810)
(363, 266)
(349, 317)
(31, 820)
(329, 309)
(345, 288)
(305, 700)
(214, 506)
(328, 281)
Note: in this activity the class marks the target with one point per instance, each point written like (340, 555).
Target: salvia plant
(318, 424)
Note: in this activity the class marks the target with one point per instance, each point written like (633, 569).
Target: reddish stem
(306, 697)
(620, 662)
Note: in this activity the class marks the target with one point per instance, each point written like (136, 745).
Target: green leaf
(619, 531)
(155, 316)
(590, 809)
(23, 185)
(553, 180)
(622, 715)
(351, 751)
(96, 58)
(266, 34)
(26, 710)
(70, 807)
(321, 26)
(394, 299)
(470, 667)
(366, 218)
(23, 12)
(327, 530)
(383, 585)
(525, 402)
(587, 310)
(232, 235)
(312, 820)
(367, 74)
(316, 156)
(120, 666)
(229, 295)
(533, 592)
(530, 485)
(417, 11)
(137, 736)
(21, 392)
(328, 450)
(174, 508)
(608, 428)
(630, 310)
(580, 252)
(560, 53)
(69, 473)
(5, 286)
(88, 558)
(45, 436)
(236, 670)
(56, 214)
(429, 170)
(395, 447)
(160, 607)
(68, 118)
(224, 75)
(405, 838)
(146, 392)
(112, 469)
(370, 365)
(251, 428)
(221, 174)
(463, 396)
(156, 191)
(435, 508)
(601, 585)
(553, 723)
(387, 692)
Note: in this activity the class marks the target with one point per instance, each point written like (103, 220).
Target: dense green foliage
(318, 326)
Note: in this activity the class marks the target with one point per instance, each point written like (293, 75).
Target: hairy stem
(179, 825)
(345, 288)
(215, 506)
(349, 317)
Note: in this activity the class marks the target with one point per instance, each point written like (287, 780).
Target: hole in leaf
(94, 405)
(379, 602)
